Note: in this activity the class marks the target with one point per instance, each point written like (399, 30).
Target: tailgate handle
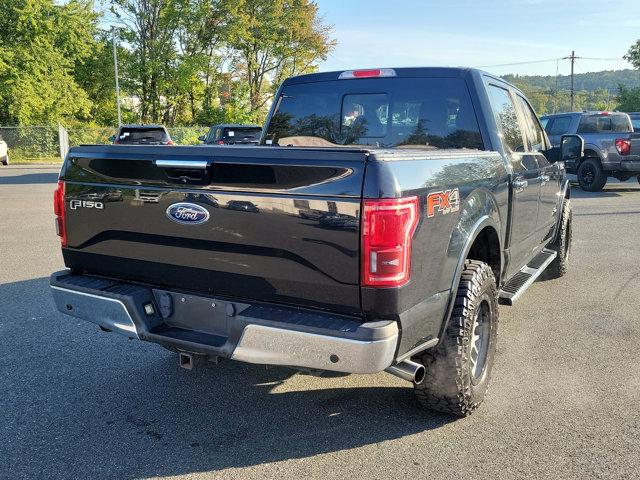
(191, 164)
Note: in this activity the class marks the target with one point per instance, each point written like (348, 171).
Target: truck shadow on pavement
(89, 405)
(28, 178)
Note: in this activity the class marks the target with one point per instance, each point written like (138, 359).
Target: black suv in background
(142, 135)
(611, 149)
(232, 134)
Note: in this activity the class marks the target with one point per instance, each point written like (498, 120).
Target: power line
(611, 59)
(520, 63)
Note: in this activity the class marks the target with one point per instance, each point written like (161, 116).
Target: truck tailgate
(263, 223)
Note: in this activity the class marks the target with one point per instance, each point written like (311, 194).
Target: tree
(41, 44)
(151, 26)
(633, 55)
(629, 99)
(274, 39)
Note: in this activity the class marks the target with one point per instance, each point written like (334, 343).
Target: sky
(482, 33)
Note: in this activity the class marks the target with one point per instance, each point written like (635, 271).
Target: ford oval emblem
(187, 213)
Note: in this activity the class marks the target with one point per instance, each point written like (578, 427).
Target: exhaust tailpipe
(186, 361)
(407, 370)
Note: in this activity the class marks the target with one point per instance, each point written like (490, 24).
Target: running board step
(519, 283)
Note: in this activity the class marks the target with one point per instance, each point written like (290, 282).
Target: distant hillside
(608, 79)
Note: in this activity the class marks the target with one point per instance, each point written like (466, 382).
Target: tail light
(59, 211)
(220, 142)
(387, 229)
(623, 146)
(170, 142)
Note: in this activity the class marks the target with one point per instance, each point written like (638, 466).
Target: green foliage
(275, 39)
(629, 99)
(41, 44)
(608, 79)
(633, 55)
(552, 100)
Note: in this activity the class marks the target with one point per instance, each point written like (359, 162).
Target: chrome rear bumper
(264, 334)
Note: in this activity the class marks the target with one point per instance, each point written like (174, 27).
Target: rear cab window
(605, 122)
(142, 135)
(433, 113)
(242, 134)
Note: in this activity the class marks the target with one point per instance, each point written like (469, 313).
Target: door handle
(191, 164)
(544, 178)
(520, 185)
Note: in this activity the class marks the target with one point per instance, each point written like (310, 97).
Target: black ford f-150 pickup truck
(385, 215)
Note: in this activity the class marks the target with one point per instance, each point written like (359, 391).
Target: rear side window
(533, 129)
(635, 121)
(559, 126)
(434, 113)
(506, 118)
(605, 123)
(142, 135)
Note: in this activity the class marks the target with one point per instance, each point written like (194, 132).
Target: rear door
(525, 177)
(248, 223)
(550, 174)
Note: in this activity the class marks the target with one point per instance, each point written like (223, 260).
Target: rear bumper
(630, 165)
(254, 333)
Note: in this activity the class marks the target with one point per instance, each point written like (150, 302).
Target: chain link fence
(48, 143)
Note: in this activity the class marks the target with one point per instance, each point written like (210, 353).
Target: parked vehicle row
(429, 196)
(612, 149)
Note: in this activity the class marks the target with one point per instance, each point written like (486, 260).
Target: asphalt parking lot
(563, 403)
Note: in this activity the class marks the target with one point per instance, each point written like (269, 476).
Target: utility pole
(573, 59)
(115, 66)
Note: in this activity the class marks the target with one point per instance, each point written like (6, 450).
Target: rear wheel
(5, 160)
(458, 370)
(591, 177)
(638, 178)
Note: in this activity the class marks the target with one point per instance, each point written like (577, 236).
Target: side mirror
(202, 138)
(112, 138)
(571, 148)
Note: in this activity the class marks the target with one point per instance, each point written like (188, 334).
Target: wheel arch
(482, 234)
(590, 151)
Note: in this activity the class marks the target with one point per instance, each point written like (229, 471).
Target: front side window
(533, 129)
(434, 113)
(560, 126)
(506, 118)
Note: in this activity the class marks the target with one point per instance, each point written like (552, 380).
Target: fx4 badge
(75, 204)
(443, 202)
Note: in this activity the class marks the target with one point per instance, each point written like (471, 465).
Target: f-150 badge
(443, 202)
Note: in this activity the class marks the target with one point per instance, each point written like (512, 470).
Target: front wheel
(591, 177)
(562, 244)
(458, 370)
(5, 160)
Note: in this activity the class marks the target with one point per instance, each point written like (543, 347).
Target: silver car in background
(4, 152)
